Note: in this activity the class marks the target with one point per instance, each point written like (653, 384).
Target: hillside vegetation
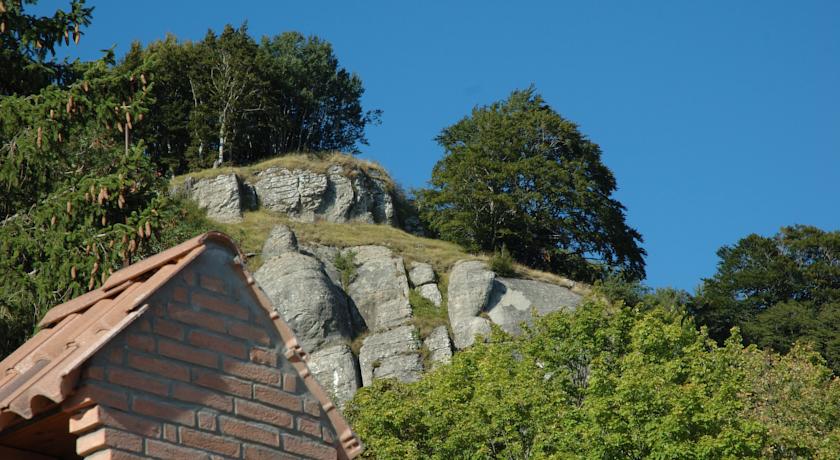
(746, 367)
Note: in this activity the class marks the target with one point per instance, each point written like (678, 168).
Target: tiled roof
(43, 372)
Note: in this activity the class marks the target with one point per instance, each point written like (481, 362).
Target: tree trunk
(221, 157)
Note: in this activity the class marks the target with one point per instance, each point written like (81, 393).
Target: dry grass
(315, 162)
(256, 225)
(252, 232)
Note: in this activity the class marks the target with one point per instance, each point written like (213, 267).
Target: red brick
(138, 381)
(160, 367)
(290, 383)
(98, 416)
(94, 372)
(196, 318)
(329, 435)
(108, 437)
(115, 356)
(221, 382)
(220, 305)
(218, 343)
(143, 324)
(212, 284)
(252, 452)
(312, 407)
(249, 332)
(163, 410)
(277, 397)
(265, 414)
(179, 294)
(168, 329)
(251, 371)
(188, 276)
(90, 393)
(141, 342)
(160, 449)
(202, 397)
(309, 426)
(241, 429)
(264, 356)
(207, 421)
(208, 441)
(305, 447)
(170, 433)
(187, 353)
(113, 454)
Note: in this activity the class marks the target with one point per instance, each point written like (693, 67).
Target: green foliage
(425, 315)
(80, 197)
(516, 173)
(502, 262)
(607, 381)
(28, 42)
(345, 263)
(778, 290)
(228, 97)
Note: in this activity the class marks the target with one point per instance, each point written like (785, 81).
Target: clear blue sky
(718, 118)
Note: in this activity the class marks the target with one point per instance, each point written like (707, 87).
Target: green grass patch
(252, 232)
(426, 315)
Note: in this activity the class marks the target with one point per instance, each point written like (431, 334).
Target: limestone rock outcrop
(431, 293)
(297, 193)
(342, 194)
(470, 284)
(391, 354)
(514, 301)
(306, 297)
(438, 346)
(421, 273)
(280, 240)
(327, 256)
(337, 371)
(221, 196)
(379, 288)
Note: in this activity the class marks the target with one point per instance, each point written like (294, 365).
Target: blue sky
(718, 118)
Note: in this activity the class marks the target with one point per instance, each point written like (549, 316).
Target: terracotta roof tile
(43, 372)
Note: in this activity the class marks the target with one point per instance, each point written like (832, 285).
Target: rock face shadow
(513, 302)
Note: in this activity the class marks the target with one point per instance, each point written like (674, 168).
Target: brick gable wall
(201, 375)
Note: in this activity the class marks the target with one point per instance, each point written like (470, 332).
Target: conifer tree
(28, 43)
(82, 199)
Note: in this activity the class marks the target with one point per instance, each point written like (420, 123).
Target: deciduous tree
(778, 290)
(517, 174)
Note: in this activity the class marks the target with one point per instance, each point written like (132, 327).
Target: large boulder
(514, 301)
(280, 240)
(327, 256)
(337, 371)
(470, 284)
(421, 273)
(340, 196)
(374, 203)
(308, 300)
(391, 354)
(298, 193)
(431, 293)
(379, 288)
(220, 196)
(438, 346)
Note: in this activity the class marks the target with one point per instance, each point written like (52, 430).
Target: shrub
(502, 263)
(345, 263)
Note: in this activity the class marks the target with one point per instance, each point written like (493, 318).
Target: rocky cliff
(362, 311)
(342, 191)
